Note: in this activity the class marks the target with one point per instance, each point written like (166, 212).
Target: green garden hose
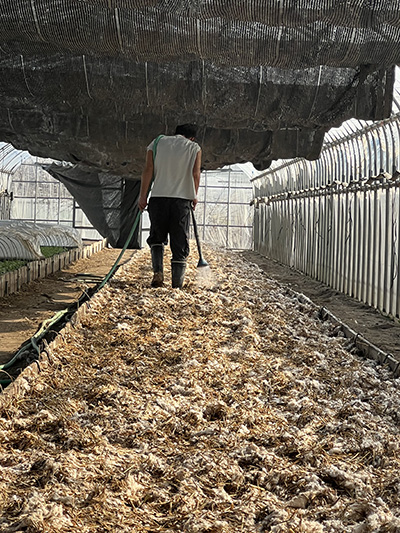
(47, 324)
(115, 265)
(33, 341)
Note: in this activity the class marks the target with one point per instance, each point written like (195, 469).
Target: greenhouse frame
(321, 217)
(337, 218)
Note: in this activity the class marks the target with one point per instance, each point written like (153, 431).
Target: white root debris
(221, 408)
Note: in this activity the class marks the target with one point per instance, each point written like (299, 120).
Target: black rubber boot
(157, 260)
(178, 273)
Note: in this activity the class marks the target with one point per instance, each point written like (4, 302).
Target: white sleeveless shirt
(173, 167)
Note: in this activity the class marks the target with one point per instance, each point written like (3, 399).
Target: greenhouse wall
(224, 215)
(40, 198)
(337, 219)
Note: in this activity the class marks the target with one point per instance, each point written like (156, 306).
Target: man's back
(173, 167)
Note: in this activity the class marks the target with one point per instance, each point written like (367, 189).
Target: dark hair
(187, 130)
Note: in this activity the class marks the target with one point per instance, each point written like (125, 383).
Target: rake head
(202, 263)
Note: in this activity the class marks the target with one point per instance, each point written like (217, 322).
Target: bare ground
(22, 313)
(224, 407)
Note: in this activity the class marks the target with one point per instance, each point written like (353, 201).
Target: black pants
(170, 216)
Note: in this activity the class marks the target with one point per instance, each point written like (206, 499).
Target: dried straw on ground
(221, 408)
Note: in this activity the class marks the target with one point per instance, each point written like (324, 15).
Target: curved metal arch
(286, 178)
(391, 147)
(395, 128)
(297, 177)
(303, 163)
(11, 158)
(363, 148)
(329, 163)
(324, 177)
(314, 171)
(345, 156)
(354, 147)
(348, 160)
(301, 175)
(365, 155)
(355, 150)
(349, 127)
(383, 147)
(270, 183)
(292, 178)
(371, 146)
(332, 136)
(337, 153)
(318, 171)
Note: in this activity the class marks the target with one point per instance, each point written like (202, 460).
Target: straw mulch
(225, 407)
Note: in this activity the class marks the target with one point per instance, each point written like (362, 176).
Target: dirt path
(23, 312)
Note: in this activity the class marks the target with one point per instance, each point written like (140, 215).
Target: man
(175, 162)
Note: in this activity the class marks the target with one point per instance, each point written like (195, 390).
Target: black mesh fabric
(92, 82)
(109, 202)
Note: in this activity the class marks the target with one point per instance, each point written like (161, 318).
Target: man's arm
(147, 176)
(196, 175)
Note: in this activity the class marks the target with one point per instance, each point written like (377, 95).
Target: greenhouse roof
(11, 158)
(93, 81)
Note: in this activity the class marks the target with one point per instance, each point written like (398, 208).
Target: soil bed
(378, 329)
(22, 313)
(221, 408)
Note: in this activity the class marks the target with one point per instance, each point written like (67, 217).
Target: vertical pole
(228, 207)
(368, 246)
(36, 193)
(387, 253)
(364, 234)
(393, 258)
(379, 252)
(375, 258)
(342, 239)
(59, 203)
(73, 213)
(397, 273)
(205, 204)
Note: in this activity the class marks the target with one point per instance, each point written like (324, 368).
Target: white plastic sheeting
(22, 240)
(223, 214)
